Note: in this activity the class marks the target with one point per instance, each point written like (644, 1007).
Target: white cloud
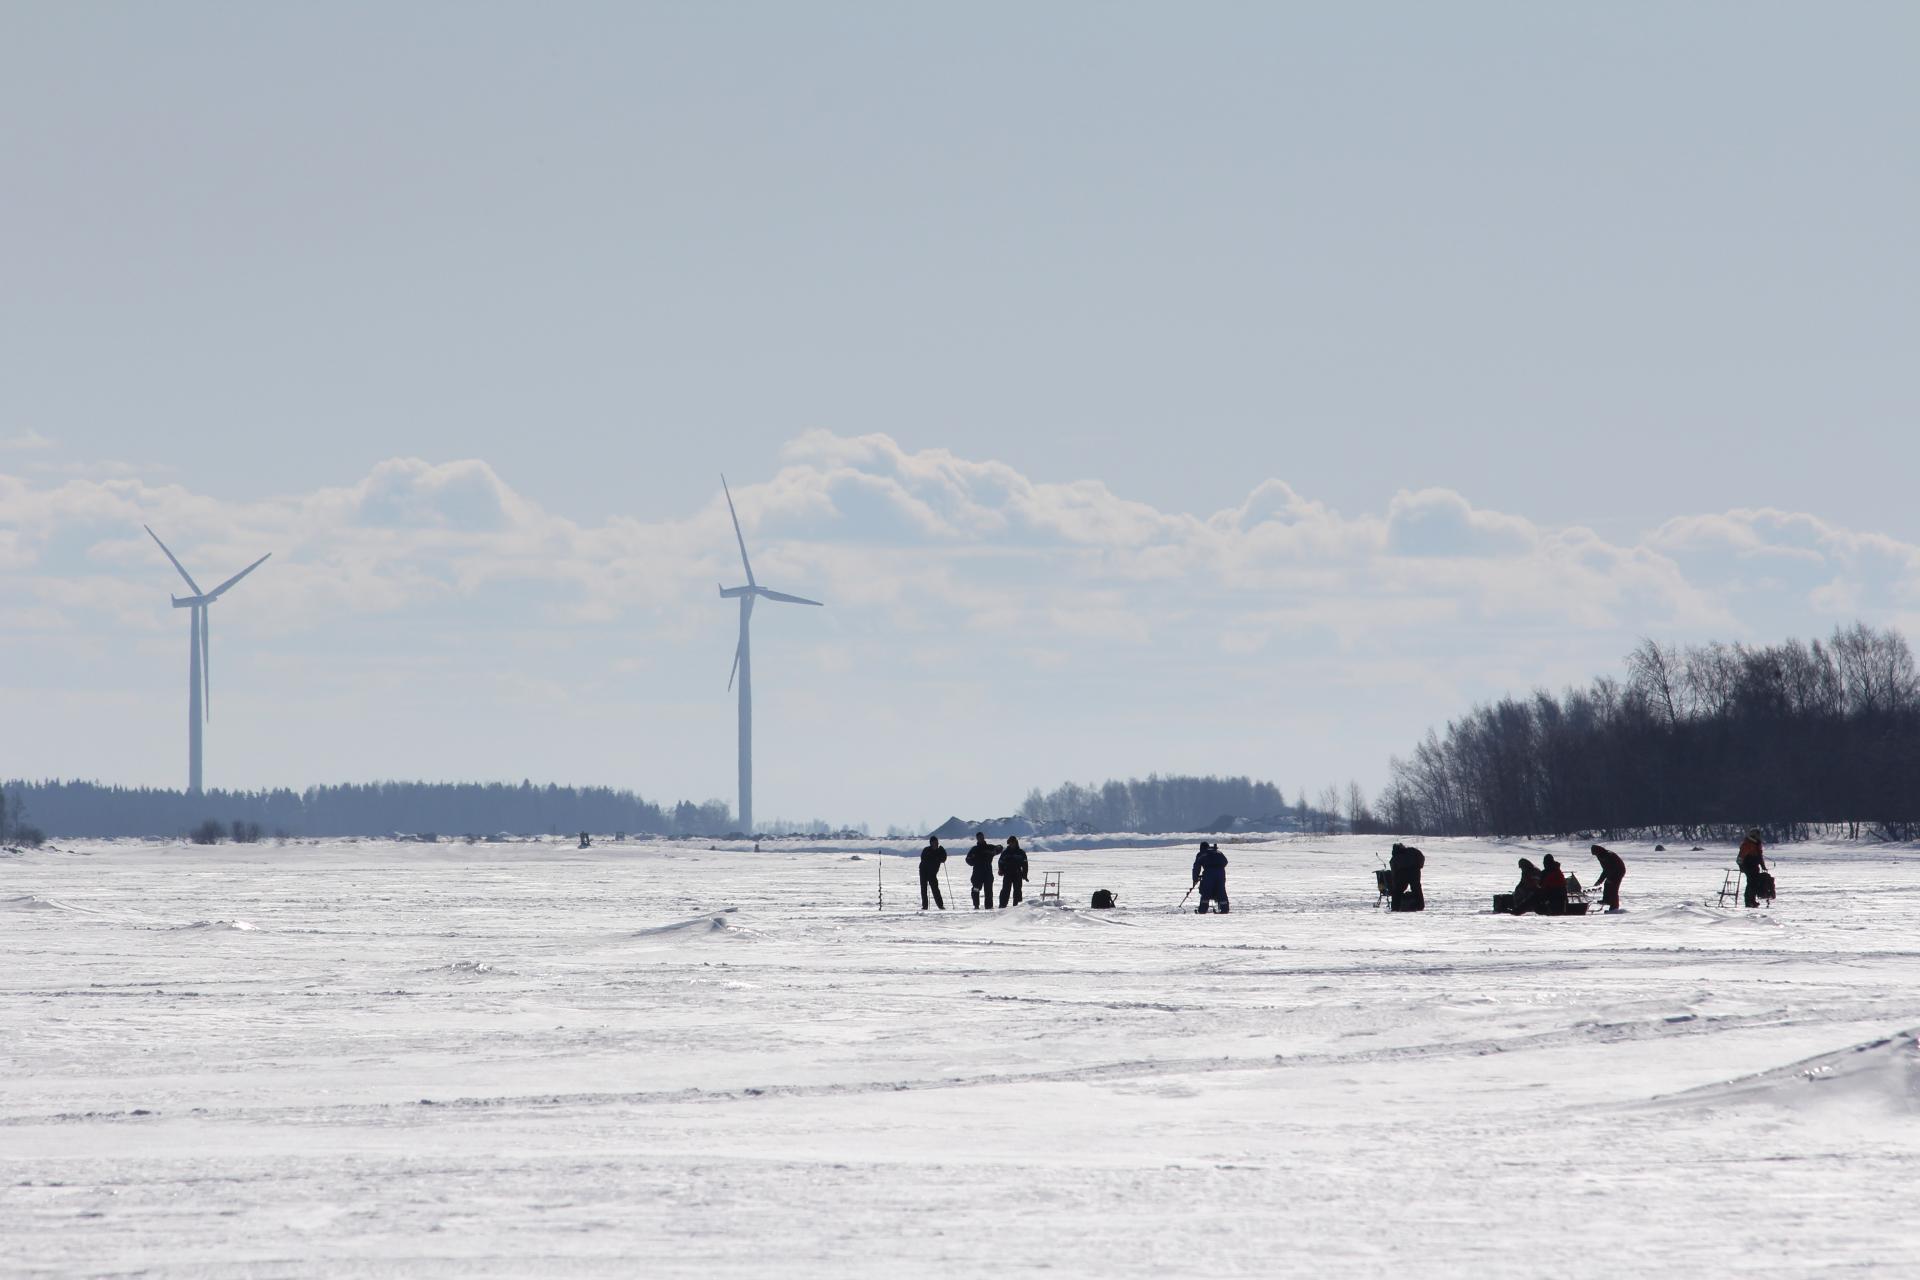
(23, 442)
(929, 540)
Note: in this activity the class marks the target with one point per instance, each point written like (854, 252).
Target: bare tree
(1709, 738)
(1652, 670)
(1358, 816)
(1329, 807)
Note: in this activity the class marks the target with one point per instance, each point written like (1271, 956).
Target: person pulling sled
(1613, 869)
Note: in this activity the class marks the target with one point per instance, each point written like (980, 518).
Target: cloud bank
(928, 537)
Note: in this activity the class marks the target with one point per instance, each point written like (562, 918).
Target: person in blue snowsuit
(1210, 873)
(1013, 871)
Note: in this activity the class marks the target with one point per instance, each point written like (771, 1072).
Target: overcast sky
(1221, 387)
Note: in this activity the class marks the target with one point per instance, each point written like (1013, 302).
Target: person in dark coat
(931, 858)
(980, 858)
(1405, 863)
(1210, 873)
(1753, 862)
(1553, 888)
(1013, 871)
(1526, 894)
(1613, 869)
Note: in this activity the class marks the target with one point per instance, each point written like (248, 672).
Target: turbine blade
(206, 663)
(783, 596)
(738, 536)
(216, 593)
(176, 564)
(736, 668)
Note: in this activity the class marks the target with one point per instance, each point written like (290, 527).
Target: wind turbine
(743, 659)
(200, 669)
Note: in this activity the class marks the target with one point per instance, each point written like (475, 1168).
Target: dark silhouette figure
(1405, 863)
(931, 858)
(1613, 869)
(980, 858)
(1553, 888)
(1526, 894)
(586, 841)
(1210, 873)
(1013, 871)
(1753, 865)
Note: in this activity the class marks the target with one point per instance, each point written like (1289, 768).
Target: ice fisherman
(1405, 862)
(1526, 894)
(1013, 871)
(1613, 869)
(931, 859)
(1210, 873)
(980, 858)
(1553, 887)
(1753, 865)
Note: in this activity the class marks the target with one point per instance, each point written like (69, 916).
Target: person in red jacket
(1753, 863)
(1553, 888)
(1613, 869)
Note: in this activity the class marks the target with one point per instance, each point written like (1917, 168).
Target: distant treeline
(370, 809)
(1155, 803)
(1695, 741)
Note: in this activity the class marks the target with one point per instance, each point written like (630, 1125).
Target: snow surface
(659, 1059)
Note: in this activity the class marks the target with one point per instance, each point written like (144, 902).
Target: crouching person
(1553, 888)
(1405, 863)
(1210, 873)
(1526, 894)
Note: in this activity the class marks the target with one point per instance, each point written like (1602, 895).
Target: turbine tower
(199, 667)
(743, 659)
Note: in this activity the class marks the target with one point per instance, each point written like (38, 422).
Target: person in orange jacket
(1753, 863)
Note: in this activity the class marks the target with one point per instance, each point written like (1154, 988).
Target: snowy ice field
(655, 1059)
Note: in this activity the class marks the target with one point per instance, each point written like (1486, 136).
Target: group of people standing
(981, 860)
(1544, 889)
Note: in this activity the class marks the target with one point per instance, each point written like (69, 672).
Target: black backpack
(1102, 899)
